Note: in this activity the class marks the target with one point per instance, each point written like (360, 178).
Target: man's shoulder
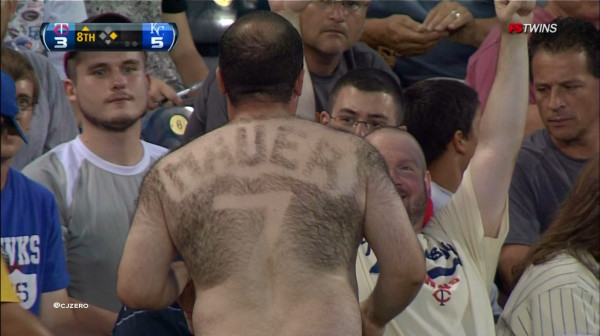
(536, 148)
(563, 271)
(366, 56)
(154, 151)
(49, 161)
(29, 186)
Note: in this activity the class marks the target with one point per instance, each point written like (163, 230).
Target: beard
(416, 209)
(117, 125)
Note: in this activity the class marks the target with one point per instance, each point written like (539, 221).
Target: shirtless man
(269, 210)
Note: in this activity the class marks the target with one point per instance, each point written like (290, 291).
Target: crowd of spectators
(350, 167)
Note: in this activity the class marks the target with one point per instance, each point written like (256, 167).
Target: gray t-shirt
(96, 200)
(210, 108)
(541, 180)
(53, 121)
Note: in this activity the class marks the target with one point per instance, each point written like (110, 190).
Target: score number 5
(156, 42)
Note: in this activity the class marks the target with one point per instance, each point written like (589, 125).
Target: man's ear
(428, 183)
(298, 84)
(459, 142)
(220, 82)
(148, 80)
(70, 89)
(324, 118)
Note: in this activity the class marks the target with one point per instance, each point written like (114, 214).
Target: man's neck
(319, 63)
(4, 168)
(259, 110)
(120, 148)
(447, 172)
(583, 148)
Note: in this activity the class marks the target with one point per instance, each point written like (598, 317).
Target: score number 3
(61, 42)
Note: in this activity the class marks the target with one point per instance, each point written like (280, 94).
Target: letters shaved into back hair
(260, 57)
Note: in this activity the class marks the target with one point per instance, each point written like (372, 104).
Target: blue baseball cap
(10, 109)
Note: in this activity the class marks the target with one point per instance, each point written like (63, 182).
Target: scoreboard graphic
(157, 36)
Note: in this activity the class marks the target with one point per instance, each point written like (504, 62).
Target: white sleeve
(460, 220)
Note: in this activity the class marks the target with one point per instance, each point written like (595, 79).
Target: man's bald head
(260, 57)
(406, 165)
(403, 141)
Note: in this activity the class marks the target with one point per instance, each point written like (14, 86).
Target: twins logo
(442, 262)
(442, 292)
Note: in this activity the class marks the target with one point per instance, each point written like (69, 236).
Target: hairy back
(282, 192)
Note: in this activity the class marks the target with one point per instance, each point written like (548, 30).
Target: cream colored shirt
(558, 297)
(461, 264)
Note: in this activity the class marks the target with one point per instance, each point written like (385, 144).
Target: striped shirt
(558, 297)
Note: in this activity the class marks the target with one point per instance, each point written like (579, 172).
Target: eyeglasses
(348, 6)
(25, 102)
(350, 122)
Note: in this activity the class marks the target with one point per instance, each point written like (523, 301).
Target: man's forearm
(507, 102)
(371, 30)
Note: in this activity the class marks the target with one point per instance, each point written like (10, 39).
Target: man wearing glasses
(330, 32)
(363, 100)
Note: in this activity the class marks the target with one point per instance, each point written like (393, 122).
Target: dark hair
(435, 110)
(72, 59)
(575, 228)
(572, 34)
(370, 80)
(260, 57)
(18, 67)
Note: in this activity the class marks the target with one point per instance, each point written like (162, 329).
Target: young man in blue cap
(31, 232)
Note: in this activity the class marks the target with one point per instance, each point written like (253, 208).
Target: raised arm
(503, 119)
(399, 254)
(147, 279)
(189, 62)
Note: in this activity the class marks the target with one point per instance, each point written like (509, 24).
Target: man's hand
(401, 34)
(289, 9)
(447, 15)
(289, 6)
(513, 11)
(161, 94)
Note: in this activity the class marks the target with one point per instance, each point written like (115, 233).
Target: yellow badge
(178, 124)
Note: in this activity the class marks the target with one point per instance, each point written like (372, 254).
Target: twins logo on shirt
(448, 266)
(444, 262)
